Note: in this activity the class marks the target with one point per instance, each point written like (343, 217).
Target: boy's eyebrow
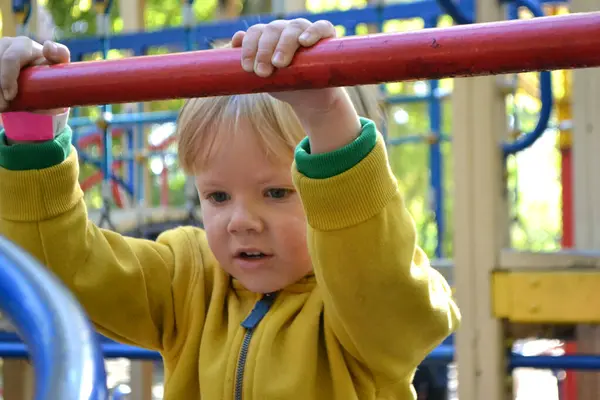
(262, 180)
(259, 179)
(209, 182)
(265, 179)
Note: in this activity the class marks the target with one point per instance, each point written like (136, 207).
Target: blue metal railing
(442, 355)
(17, 350)
(67, 360)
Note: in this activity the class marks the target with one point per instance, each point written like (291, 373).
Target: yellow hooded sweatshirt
(356, 329)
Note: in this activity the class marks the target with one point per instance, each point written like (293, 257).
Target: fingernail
(6, 93)
(278, 58)
(247, 64)
(263, 69)
(53, 47)
(305, 36)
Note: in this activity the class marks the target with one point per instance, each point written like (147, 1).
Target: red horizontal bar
(562, 42)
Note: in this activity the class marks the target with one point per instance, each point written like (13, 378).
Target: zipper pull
(259, 311)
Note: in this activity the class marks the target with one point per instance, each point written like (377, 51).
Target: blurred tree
(76, 18)
(253, 7)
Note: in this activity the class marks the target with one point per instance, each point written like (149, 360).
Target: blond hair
(273, 122)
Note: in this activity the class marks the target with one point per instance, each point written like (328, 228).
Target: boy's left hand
(327, 115)
(267, 47)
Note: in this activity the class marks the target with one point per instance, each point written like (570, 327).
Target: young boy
(306, 283)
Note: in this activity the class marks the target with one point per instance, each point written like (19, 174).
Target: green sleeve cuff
(30, 156)
(327, 165)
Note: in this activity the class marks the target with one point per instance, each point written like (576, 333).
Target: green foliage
(75, 18)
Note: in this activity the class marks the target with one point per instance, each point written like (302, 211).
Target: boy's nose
(244, 220)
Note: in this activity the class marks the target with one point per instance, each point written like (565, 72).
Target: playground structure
(494, 285)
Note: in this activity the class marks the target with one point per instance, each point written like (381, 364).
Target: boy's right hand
(19, 52)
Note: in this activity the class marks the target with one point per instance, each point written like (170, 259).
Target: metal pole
(560, 42)
(66, 356)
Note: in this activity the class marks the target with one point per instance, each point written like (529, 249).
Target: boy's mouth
(251, 255)
(251, 258)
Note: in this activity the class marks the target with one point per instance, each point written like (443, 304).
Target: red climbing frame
(558, 42)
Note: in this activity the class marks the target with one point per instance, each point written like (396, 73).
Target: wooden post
(254, 7)
(586, 145)
(132, 13)
(141, 372)
(480, 228)
(9, 24)
(228, 9)
(285, 7)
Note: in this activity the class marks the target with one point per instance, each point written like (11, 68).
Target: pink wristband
(31, 127)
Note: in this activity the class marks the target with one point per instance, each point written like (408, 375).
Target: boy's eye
(218, 197)
(277, 193)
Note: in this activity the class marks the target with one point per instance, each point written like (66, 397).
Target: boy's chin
(262, 284)
(261, 287)
(267, 281)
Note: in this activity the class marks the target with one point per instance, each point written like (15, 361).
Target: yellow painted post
(481, 227)
(530, 296)
(564, 113)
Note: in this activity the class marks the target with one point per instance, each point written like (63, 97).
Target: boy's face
(252, 215)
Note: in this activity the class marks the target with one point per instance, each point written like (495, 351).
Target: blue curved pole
(453, 10)
(460, 17)
(546, 96)
(66, 358)
(528, 139)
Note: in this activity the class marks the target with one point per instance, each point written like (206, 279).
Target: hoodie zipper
(256, 315)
